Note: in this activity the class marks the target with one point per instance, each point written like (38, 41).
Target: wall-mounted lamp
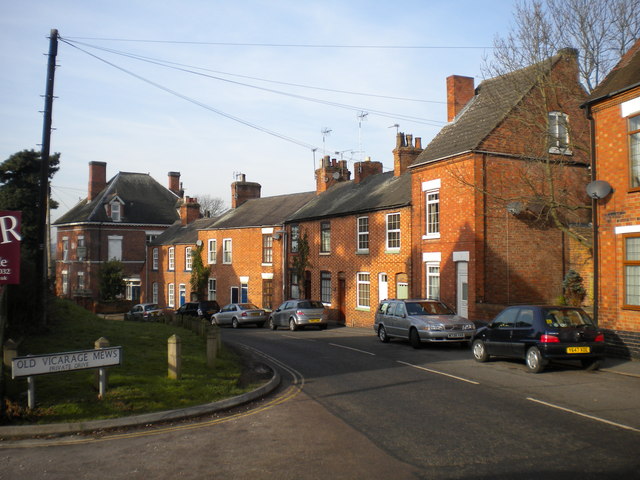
(599, 189)
(514, 208)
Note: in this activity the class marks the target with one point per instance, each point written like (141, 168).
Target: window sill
(267, 264)
(363, 309)
(326, 254)
(362, 252)
(431, 237)
(394, 251)
(560, 151)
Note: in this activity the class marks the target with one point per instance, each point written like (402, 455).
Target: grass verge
(139, 385)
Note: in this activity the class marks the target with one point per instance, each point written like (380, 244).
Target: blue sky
(168, 119)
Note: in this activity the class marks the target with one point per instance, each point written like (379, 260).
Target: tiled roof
(625, 75)
(493, 100)
(183, 234)
(266, 211)
(145, 202)
(375, 192)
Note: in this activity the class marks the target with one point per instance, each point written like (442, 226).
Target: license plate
(314, 320)
(578, 349)
(256, 314)
(456, 335)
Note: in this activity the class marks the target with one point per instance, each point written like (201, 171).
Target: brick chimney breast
(405, 152)
(362, 170)
(459, 91)
(241, 191)
(97, 179)
(174, 183)
(189, 210)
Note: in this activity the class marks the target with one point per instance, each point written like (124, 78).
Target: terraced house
(614, 107)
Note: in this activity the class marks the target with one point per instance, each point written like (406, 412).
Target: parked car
(421, 320)
(296, 314)
(202, 309)
(143, 311)
(237, 314)
(540, 334)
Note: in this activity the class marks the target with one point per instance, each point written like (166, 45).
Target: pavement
(612, 365)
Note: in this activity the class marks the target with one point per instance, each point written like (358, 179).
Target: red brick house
(116, 220)
(357, 232)
(614, 109)
(483, 231)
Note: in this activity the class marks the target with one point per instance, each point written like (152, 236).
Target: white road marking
(439, 373)
(598, 419)
(354, 349)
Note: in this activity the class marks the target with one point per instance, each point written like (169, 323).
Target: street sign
(66, 361)
(10, 247)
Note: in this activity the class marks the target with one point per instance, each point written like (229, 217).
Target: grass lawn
(139, 385)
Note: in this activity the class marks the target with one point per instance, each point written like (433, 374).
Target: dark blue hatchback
(539, 334)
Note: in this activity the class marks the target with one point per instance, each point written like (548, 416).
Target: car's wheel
(480, 351)
(591, 363)
(272, 324)
(535, 362)
(414, 338)
(323, 327)
(235, 323)
(292, 325)
(382, 334)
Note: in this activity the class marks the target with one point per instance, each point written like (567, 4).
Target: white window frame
(81, 285)
(155, 257)
(212, 251)
(188, 259)
(65, 249)
(558, 140)
(431, 276)
(116, 211)
(171, 295)
(634, 151)
(171, 259)
(212, 289)
(363, 279)
(65, 282)
(362, 234)
(227, 251)
(391, 231)
(154, 292)
(114, 249)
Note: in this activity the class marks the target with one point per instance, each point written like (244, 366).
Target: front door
(462, 290)
(235, 294)
(183, 293)
(383, 287)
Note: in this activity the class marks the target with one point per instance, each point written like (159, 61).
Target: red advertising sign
(10, 238)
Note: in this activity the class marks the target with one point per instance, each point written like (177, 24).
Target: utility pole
(43, 237)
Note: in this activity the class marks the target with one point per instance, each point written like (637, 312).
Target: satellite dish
(199, 243)
(336, 175)
(598, 189)
(514, 208)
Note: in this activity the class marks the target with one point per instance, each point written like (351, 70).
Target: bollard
(212, 347)
(10, 351)
(175, 362)
(101, 375)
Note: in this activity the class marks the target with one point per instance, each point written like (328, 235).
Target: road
(351, 407)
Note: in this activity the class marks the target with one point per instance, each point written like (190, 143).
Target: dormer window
(115, 211)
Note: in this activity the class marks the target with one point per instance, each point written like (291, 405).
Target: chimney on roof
(97, 179)
(241, 190)
(405, 152)
(331, 172)
(362, 170)
(459, 91)
(189, 210)
(174, 183)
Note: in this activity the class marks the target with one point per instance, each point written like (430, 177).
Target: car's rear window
(566, 317)
(310, 304)
(151, 307)
(247, 306)
(428, 308)
(208, 305)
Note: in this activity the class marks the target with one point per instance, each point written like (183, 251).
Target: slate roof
(624, 76)
(145, 202)
(178, 234)
(376, 192)
(494, 99)
(264, 211)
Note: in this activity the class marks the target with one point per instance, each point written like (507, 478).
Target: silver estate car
(421, 321)
(237, 314)
(295, 314)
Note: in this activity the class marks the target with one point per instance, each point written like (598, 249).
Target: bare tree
(211, 206)
(601, 30)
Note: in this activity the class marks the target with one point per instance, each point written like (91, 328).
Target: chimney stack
(174, 183)
(189, 210)
(459, 91)
(405, 152)
(330, 173)
(241, 191)
(362, 170)
(97, 178)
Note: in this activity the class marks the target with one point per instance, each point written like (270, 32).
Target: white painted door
(462, 290)
(383, 287)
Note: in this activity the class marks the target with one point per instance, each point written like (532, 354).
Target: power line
(301, 97)
(285, 45)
